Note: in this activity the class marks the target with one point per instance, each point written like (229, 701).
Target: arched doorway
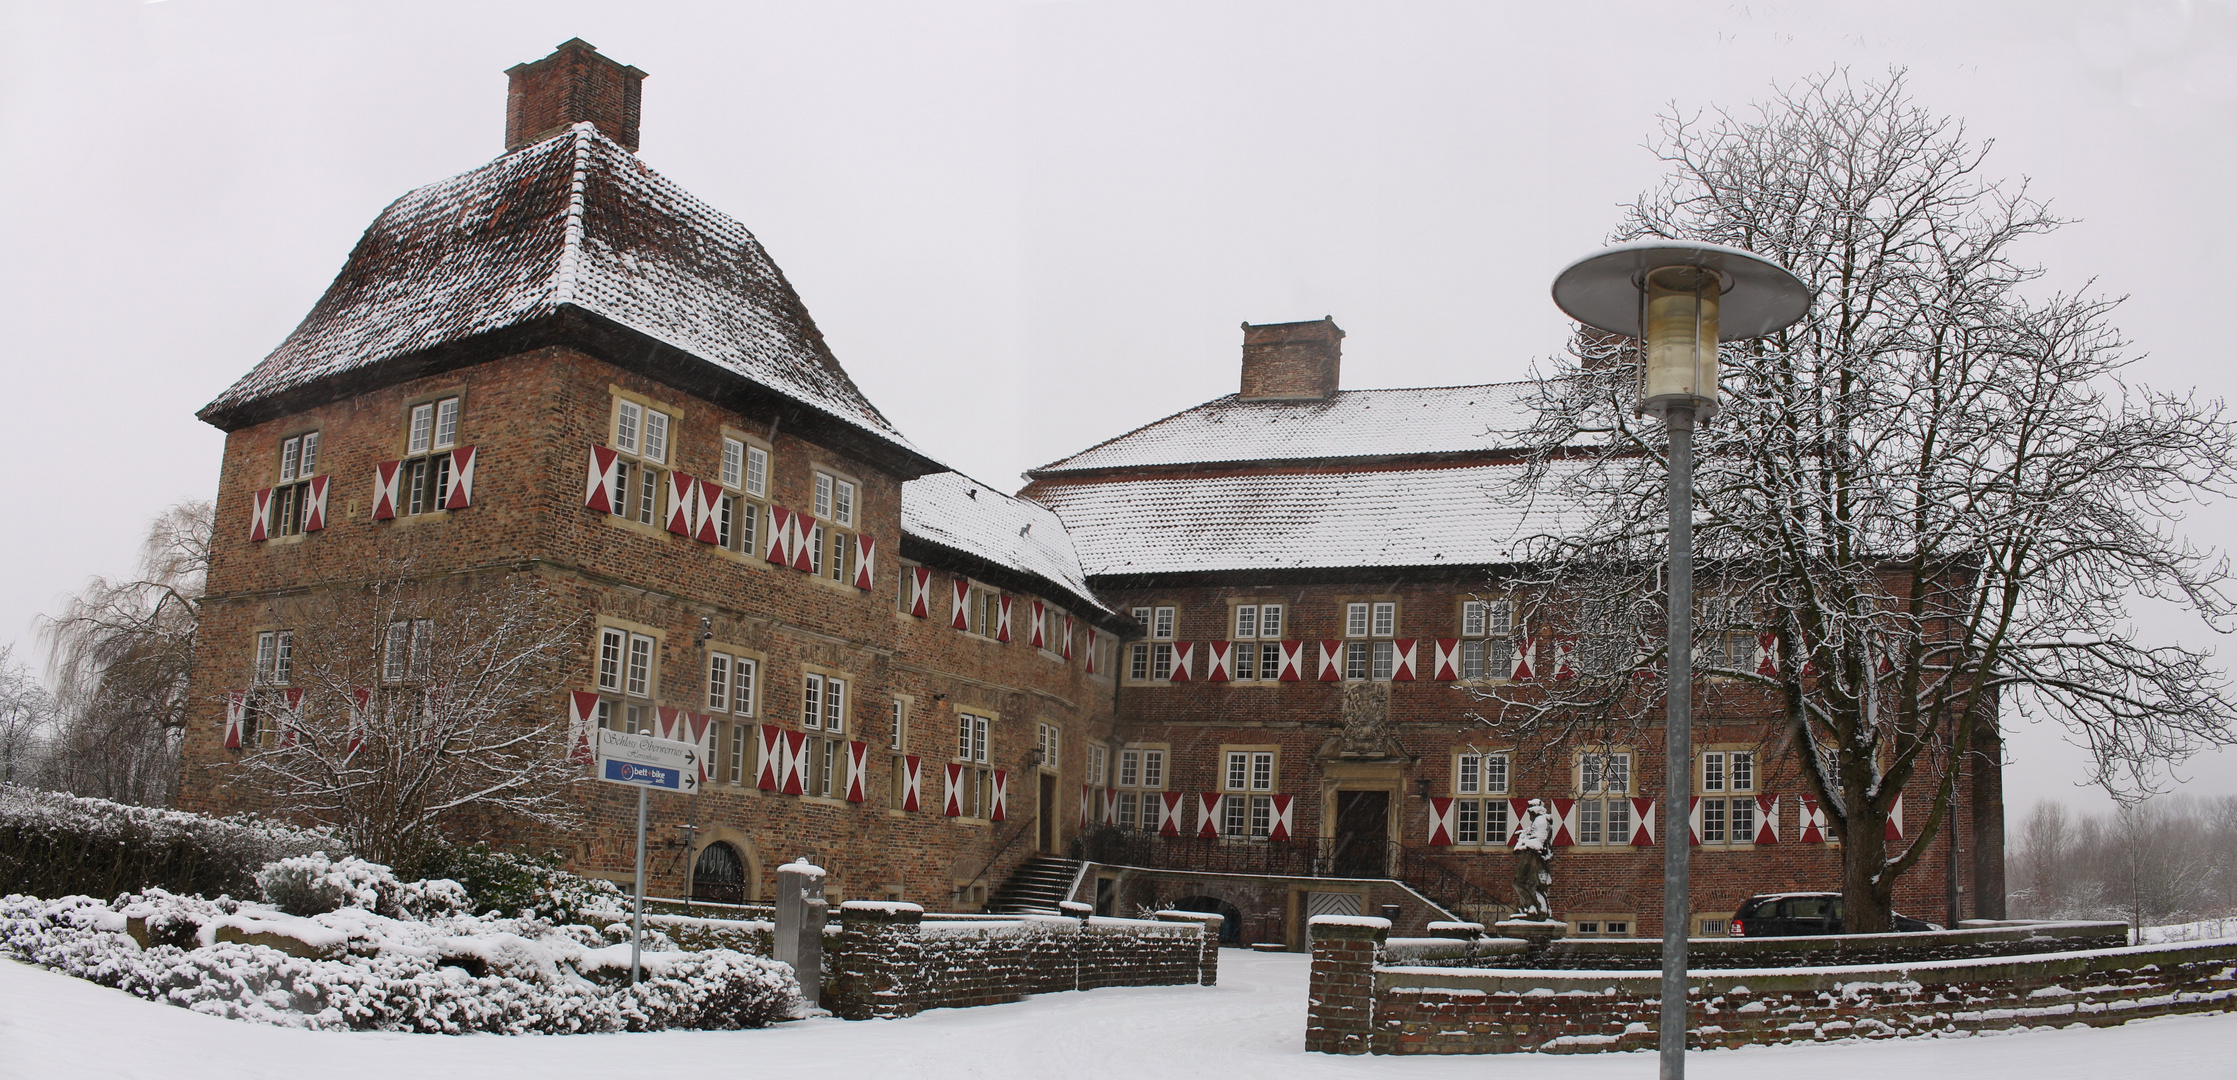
(719, 877)
(1231, 922)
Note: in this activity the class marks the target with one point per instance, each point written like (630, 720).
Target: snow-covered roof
(573, 221)
(1348, 424)
(955, 511)
(1458, 516)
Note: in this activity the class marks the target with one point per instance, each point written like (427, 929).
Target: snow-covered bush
(525, 886)
(313, 884)
(53, 844)
(353, 968)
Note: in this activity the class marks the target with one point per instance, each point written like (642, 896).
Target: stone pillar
(1207, 958)
(801, 910)
(1340, 998)
(876, 966)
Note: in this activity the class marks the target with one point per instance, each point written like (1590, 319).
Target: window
(291, 500)
(1255, 623)
(628, 672)
(1479, 806)
(971, 749)
(424, 476)
(1486, 632)
(823, 703)
(831, 541)
(1047, 742)
(1098, 765)
(1601, 925)
(1603, 811)
(971, 738)
(745, 480)
(275, 657)
(1247, 776)
(406, 652)
(738, 734)
(1141, 776)
(640, 435)
(1726, 783)
(1152, 660)
(900, 724)
(731, 679)
(1366, 658)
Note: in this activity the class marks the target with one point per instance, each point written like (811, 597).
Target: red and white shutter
(777, 548)
(314, 507)
(920, 591)
(1526, 654)
(858, 771)
(291, 714)
(1642, 823)
(1000, 810)
(462, 479)
(804, 554)
(1813, 822)
(1110, 806)
(666, 723)
(1091, 669)
(1038, 632)
(1002, 617)
(865, 561)
(1448, 659)
(1767, 653)
(1564, 651)
(1693, 821)
(1766, 819)
(1067, 638)
(795, 762)
(582, 716)
(703, 736)
(912, 782)
(1895, 818)
(1441, 822)
(598, 480)
(706, 505)
(1219, 661)
(1516, 808)
(361, 718)
(1283, 804)
(1087, 805)
(955, 790)
(1565, 822)
(1403, 669)
(1331, 661)
(683, 492)
(1169, 813)
(236, 712)
(1184, 658)
(1293, 661)
(960, 614)
(1209, 804)
(386, 476)
(770, 776)
(260, 514)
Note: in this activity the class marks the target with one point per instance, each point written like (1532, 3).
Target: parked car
(1798, 913)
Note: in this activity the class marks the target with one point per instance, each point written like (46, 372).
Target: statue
(1533, 862)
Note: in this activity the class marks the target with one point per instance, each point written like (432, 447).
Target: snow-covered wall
(889, 961)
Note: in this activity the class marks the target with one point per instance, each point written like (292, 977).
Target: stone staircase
(1036, 886)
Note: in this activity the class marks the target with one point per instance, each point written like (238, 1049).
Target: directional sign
(647, 762)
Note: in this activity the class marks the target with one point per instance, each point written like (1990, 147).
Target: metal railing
(1316, 857)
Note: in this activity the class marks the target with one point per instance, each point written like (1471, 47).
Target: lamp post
(1679, 299)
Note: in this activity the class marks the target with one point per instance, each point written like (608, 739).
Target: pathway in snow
(53, 1027)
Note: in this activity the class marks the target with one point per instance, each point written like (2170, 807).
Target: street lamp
(1679, 299)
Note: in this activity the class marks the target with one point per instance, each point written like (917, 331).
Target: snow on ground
(2202, 930)
(1251, 1025)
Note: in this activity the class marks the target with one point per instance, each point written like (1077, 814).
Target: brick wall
(1358, 1007)
(887, 960)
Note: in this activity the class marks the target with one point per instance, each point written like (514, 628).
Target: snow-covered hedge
(53, 844)
(391, 957)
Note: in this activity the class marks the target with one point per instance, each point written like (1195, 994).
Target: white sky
(1023, 227)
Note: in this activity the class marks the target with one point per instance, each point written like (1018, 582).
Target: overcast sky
(1023, 227)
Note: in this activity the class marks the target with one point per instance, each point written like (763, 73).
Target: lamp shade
(1603, 289)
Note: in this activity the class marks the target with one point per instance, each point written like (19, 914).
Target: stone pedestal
(801, 912)
(1540, 933)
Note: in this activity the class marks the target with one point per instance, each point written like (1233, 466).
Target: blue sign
(629, 772)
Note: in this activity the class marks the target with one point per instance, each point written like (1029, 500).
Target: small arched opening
(719, 877)
(1231, 920)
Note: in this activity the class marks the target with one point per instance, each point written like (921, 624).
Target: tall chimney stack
(570, 86)
(1295, 361)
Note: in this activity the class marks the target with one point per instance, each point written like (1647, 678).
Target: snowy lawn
(1251, 1025)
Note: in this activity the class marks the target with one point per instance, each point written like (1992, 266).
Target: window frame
(1479, 800)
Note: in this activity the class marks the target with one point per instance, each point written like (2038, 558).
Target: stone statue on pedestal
(1534, 862)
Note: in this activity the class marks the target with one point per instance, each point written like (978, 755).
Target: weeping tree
(1923, 510)
(120, 653)
(408, 713)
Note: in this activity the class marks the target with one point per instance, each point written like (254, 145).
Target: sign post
(645, 763)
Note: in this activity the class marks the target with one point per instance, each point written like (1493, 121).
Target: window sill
(427, 518)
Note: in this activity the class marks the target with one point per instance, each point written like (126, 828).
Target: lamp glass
(1681, 338)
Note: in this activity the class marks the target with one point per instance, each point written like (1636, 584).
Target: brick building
(1249, 625)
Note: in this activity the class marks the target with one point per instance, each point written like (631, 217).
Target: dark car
(1797, 913)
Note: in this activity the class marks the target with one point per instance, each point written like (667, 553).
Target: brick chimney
(1295, 361)
(570, 86)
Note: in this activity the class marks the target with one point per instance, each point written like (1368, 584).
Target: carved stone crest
(1366, 710)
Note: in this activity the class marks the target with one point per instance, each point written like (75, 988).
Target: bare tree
(1932, 498)
(120, 654)
(25, 711)
(412, 710)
